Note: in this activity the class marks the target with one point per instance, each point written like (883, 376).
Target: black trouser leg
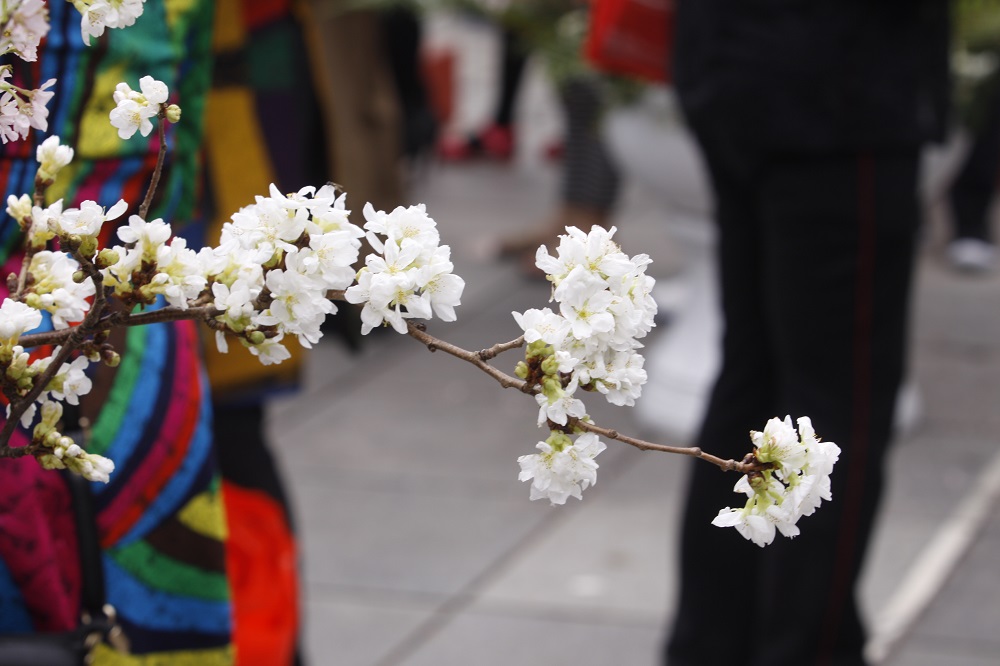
(816, 258)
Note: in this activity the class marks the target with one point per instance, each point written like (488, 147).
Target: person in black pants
(810, 116)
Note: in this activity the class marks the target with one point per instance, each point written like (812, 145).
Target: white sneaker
(971, 255)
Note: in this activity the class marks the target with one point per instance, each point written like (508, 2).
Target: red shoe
(497, 142)
(453, 149)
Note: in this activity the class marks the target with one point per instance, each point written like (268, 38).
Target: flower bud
(49, 461)
(79, 277)
(107, 257)
(88, 246)
(257, 337)
(111, 358)
(558, 440)
(33, 300)
(550, 366)
(173, 113)
(521, 370)
(536, 348)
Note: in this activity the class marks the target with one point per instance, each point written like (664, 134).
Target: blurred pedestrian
(811, 117)
(976, 68)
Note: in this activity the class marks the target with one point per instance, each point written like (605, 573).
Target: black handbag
(97, 618)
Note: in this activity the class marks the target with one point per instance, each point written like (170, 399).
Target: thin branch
(693, 451)
(110, 321)
(434, 344)
(499, 348)
(160, 157)
(475, 358)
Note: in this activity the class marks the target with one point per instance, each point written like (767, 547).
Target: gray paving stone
(938, 653)
(611, 557)
(498, 640)
(405, 542)
(967, 610)
(349, 632)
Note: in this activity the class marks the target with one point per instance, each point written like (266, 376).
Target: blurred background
(418, 544)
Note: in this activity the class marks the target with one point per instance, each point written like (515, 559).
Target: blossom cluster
(134, 108)
(23, 24)
(592, 342)
(275, 263)
(793, 483)
(21, 371)
(96, 15)
(22, 109)
(410, 277)
(564, 468)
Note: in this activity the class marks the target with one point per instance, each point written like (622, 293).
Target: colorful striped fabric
(161, 519)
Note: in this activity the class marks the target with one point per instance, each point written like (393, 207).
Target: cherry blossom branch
(75, 337)
(417, 332)
(748, 464)
(122, 319)
(479, 359)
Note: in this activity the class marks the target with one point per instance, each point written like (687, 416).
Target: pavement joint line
(935, 564)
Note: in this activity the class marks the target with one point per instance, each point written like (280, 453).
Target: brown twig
(435, 344)
(499, 348)
(121, 319)
(693, 451)
(154, 180)
(477, 359)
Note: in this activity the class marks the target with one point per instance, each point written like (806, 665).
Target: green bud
(536, 348)
(757, 482)
(111, 359)
(521, 370)
(49, 461)
(173, 113)
(88, 246)
(107, 257)
(558, 440)
(79, 277)
(257, 337)
(52, 439)
(550, 366)
(33, 300)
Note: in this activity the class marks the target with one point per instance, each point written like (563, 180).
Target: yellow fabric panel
(229, 33)
(97, 137)
(205, 514)
(107, 656)
(239, 169)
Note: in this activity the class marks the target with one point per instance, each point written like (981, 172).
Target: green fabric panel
(112, 414)
(166, 574)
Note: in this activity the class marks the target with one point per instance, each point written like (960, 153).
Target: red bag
(631, 37)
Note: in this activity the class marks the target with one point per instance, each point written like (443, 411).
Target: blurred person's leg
(590, 179)
(363, 108)
(815, 279)
(971, 194)
(717, 577)
(842, 233)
